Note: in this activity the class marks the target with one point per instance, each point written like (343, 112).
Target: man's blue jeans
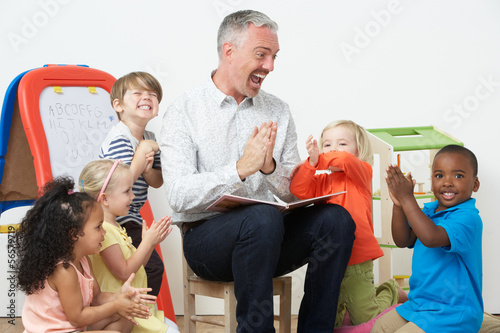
(252, 245)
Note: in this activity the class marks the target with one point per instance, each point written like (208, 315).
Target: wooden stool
(194, 285)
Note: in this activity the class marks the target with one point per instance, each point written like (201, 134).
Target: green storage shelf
(414, 138)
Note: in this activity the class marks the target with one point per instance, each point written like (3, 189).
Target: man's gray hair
(234, 27)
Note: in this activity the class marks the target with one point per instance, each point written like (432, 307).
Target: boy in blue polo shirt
(446, 282)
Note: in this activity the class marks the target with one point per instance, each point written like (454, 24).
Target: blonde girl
(110, 184)
(345, 153)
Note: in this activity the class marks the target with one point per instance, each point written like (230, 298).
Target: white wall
(381, 63)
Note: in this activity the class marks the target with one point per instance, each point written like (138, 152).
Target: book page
(307, 202)
(228, 202)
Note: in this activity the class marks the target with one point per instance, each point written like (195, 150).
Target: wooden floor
(16, 325)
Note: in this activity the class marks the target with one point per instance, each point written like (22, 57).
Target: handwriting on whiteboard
(75, 122)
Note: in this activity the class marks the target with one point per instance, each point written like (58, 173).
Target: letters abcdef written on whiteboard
(75, 122)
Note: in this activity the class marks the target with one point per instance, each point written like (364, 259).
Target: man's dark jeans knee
(322, 236)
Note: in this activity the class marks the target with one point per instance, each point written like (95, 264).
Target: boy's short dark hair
(464, 152)
(142, 80)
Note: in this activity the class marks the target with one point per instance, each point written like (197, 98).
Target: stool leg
(286, 307)
(189, 301)
(230, 309)
(189, 310)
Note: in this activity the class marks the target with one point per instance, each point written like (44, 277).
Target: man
(228, 136)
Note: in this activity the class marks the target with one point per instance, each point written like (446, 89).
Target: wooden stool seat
(194, 285)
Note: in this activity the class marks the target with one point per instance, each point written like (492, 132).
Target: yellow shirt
(109, 283)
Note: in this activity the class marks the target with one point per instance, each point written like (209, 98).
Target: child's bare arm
(402, 234)
(122, 268)
(152, 176)
(401, 189)
(65, 282)
(142, 163)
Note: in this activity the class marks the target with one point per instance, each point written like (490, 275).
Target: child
(110, 183)
(52, 243)
(136, 97)
(446, 281)
(347, 154)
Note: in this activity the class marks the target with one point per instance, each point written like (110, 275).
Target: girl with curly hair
(53, 242)
(110, 183)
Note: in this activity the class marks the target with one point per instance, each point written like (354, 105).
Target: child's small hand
(129, 301)
(129, 309)
(147, 146)
(127, 286)
(150, 158)
(312, 150)
(143, 159)
(400, 186)
(143, 297)
(158, 231)
(138, 295)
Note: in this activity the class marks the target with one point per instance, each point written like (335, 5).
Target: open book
(228, 201)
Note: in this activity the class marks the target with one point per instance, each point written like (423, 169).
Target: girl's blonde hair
(365, 151)
(94, 174)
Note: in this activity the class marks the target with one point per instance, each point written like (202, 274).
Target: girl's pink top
(43, 311)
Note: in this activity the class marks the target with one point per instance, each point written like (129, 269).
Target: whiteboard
(75, 122)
